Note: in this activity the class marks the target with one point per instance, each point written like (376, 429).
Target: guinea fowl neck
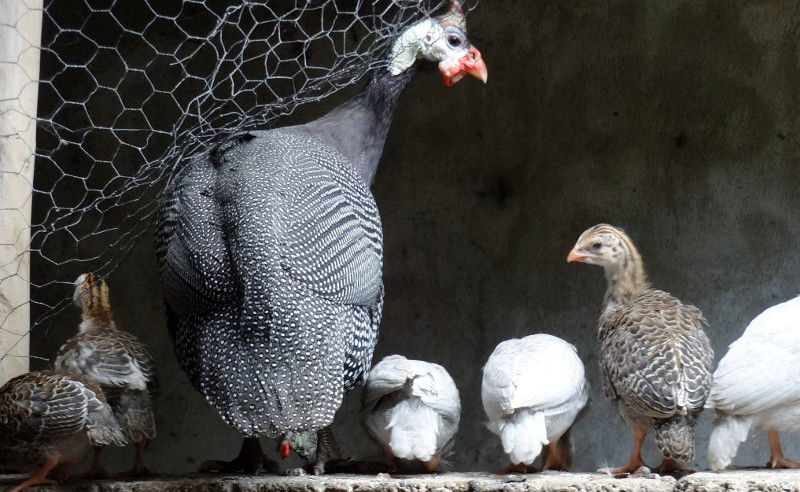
(359, 127)
(625, 280)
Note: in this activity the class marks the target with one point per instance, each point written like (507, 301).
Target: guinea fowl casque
(117, 361)
(533, 389)
(757, 385)
(271, 253)
(655, 358)
(48, 418)
(412, 409)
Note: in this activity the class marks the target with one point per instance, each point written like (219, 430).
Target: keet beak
(574, 255)
(470, 64)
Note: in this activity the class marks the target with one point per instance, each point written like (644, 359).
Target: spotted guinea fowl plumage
(271, 253)
(655, 357)
(412, 408)
(116, 360)
(47, 418)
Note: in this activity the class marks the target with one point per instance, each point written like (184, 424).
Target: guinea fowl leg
(669, 466)
(635, 460)
(776, 458)
(40, 477)
(96, 470)
(251, 458)
(327, 450)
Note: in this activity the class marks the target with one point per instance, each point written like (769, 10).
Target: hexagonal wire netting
(129, 90)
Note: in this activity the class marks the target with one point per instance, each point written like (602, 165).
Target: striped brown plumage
(655, 357)
(117, 360)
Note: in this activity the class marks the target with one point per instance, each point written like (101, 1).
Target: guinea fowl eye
(454, 41)
(596, 246)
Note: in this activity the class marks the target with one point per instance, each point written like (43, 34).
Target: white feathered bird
(412, 409)
(757, 384)
(533, 388)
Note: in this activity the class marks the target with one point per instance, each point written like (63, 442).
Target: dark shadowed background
(675, 120)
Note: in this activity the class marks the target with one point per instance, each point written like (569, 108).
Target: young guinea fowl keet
(533, 388)
(118, 361)
(757, 384)
(48, 418)
(655, 358)
(412, 409)
(271, 252)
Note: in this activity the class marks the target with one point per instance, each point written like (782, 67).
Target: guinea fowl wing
(112, 358)
(655, 355)
(44, 407)
(533, 373)
(762, 368)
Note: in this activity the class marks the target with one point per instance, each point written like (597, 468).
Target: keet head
(440, 39)
(603, 245)
(89, 288)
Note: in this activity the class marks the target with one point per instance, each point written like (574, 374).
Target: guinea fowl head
(443, 40)
(611, 248)
(91, 297)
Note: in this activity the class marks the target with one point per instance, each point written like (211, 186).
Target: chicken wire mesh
(129, 90)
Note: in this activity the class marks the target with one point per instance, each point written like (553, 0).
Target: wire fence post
(20, 38)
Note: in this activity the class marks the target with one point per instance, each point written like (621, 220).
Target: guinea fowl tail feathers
(729, 431)
(675, 437)
(414, 430)
(523, 435)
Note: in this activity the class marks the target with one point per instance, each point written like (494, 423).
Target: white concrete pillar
(20, 38)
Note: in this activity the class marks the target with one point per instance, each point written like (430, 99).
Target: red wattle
(286, 448)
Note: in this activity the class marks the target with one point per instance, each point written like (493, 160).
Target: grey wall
(675, 120)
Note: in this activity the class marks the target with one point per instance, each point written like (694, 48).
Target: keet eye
(596, 246)
(454, 41)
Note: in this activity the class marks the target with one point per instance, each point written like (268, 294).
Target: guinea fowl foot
(327, 451)
(782, 462)
(518, 468)
(776, 458)
(624, 470)
(672, 467)
(250, 460)
(40, 476)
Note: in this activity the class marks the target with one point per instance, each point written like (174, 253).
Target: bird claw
(296, 472)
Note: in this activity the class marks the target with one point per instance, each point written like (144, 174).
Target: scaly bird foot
(624, 470)
(519, 468)
(251, 459)
(782, 462)
(672, 467)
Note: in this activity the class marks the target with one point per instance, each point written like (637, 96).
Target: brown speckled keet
(655, 357)
(118, 361)
(47, 419)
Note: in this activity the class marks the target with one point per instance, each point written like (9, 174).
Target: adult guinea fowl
(412, 409)
(270, 249)
(757, 384)
(47, 419)
(116, 360)
(655, 358)
(533, 388)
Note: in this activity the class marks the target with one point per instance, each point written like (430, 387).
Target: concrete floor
(740, 480)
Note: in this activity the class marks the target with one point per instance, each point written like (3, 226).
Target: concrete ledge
(741, 480)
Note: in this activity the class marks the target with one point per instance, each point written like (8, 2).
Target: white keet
(533, 388)
(412, 409)
(757, 384)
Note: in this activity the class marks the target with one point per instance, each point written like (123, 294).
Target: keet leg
(432, 463)
(554, 459)
(96, 470)
(635, 460)
(250, 460)
(40, 477)
(776, 458)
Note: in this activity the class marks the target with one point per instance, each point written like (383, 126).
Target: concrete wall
(676, 120)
